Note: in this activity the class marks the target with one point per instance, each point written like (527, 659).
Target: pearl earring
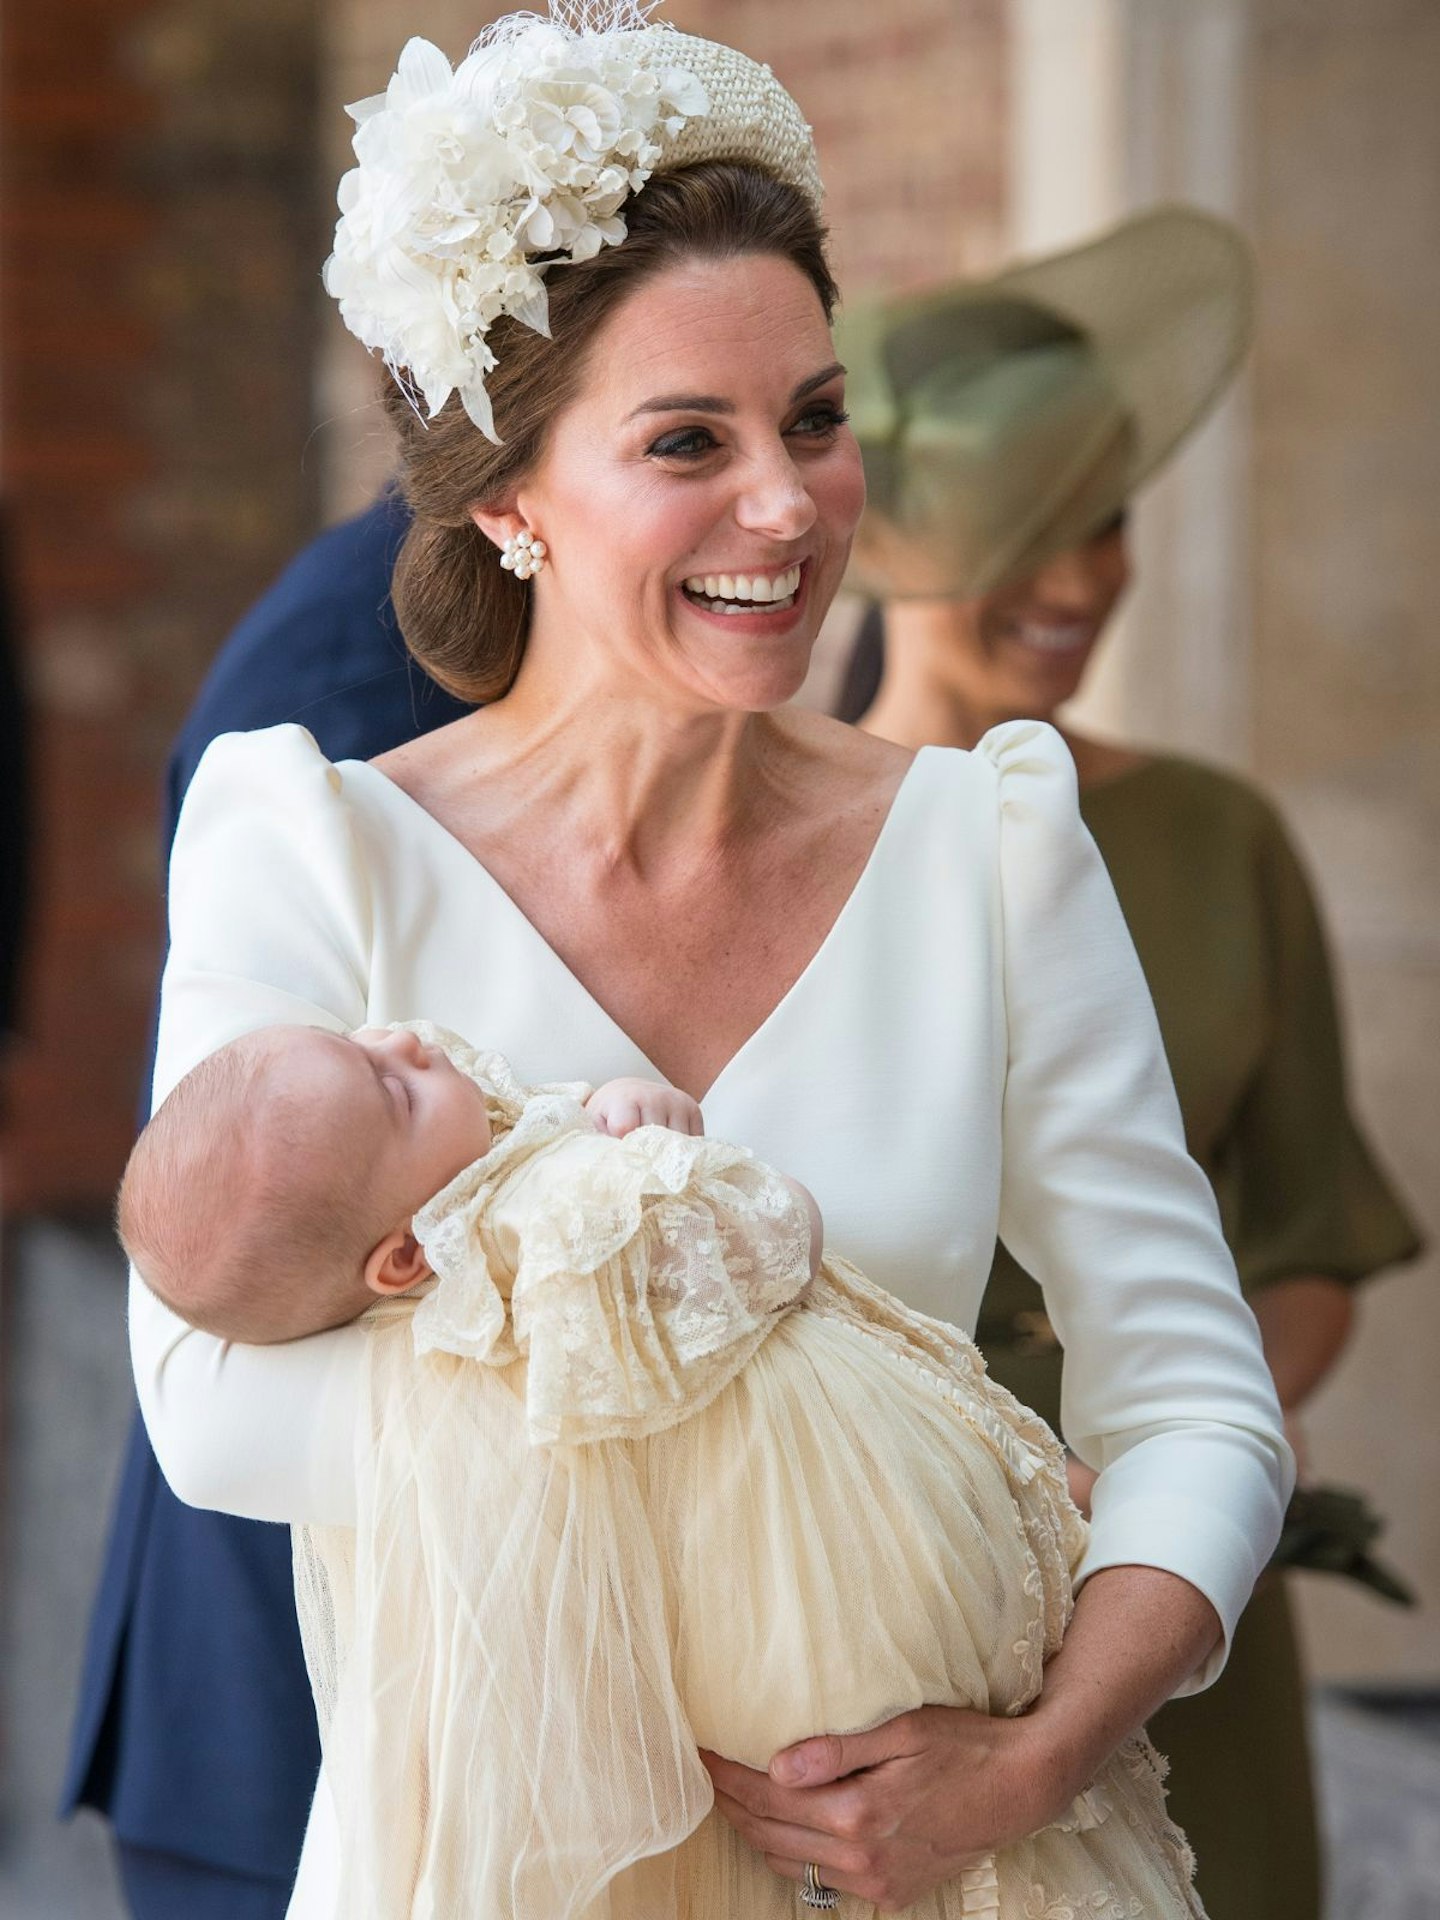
(523, 555)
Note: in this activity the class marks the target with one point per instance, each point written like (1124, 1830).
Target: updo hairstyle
(463, 617)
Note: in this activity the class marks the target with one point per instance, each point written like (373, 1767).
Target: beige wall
(1285, 620)
(1346, 676)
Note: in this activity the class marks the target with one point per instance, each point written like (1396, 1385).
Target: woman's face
(699, 496)
(1024, 648)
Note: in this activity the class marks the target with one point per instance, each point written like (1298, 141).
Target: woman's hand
(889, 1814)
(893, 1813)
(620, 1106)
(1081, 1480)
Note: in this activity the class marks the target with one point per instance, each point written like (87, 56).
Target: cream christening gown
(629, 1484)
(971, 1049)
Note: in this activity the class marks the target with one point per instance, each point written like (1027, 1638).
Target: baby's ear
(397, 1264)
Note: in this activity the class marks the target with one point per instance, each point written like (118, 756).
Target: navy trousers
(165, 1886)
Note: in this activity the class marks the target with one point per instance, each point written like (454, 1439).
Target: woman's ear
(397, 1264)
(498, 524)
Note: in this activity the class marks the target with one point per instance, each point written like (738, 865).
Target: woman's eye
(686, 443)
(821, 422)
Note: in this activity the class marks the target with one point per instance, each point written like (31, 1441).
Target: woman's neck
(638, 780)
(922, 703)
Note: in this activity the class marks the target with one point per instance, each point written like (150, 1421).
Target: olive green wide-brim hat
(1004, 421)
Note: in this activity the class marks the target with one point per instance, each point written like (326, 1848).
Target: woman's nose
(1081, 579)
(775, 500)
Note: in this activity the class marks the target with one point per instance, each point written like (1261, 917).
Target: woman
(1065, 383)
(636, 859)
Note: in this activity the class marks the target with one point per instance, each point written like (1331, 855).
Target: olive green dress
(1227, 932)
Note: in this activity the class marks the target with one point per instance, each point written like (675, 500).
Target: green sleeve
(1298, 1184)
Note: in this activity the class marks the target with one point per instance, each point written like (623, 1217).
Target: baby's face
(403, 1107)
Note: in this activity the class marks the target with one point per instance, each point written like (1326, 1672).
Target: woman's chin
(1041, 682)
(751, 678)
(760, 692)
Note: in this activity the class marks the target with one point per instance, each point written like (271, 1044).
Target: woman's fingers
(829, 1876)
(928, 1796)
(830, 1756)
(757, 1794)
(787, 1840)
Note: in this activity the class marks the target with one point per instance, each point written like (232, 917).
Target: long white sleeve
(269, 923)
(1165, 1387)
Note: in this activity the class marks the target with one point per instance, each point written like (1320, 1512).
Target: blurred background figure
(1006, 429)
(179, 418)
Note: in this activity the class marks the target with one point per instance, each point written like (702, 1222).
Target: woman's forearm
(1137, 1635)
(1305, 1323)
(265, 1433)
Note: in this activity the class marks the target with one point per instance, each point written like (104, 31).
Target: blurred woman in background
(1005, 429)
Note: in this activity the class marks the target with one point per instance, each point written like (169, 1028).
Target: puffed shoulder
(1033, 767)
(257, 794)
(269, 900)
(279, 768)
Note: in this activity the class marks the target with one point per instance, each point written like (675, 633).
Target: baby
(638, 1473)
(274, 1192)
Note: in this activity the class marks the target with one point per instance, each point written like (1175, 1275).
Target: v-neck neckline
(846, 911)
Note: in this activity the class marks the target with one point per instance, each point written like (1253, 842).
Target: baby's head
(272, 1193)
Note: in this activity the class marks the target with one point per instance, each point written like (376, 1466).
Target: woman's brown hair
(464, 618)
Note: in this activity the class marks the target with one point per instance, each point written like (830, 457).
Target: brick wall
(176, 402)
(160, 226)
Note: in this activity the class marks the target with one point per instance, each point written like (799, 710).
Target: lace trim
(1031, 1456)
(642, 1275)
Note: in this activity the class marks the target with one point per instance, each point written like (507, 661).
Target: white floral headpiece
(471, 184)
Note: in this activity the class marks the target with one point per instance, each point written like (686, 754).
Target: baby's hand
(620, 1106)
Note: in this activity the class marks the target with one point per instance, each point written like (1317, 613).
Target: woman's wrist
(1037, 1775)
(1138, 1634)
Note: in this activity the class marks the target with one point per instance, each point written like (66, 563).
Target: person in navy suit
(194, 1734)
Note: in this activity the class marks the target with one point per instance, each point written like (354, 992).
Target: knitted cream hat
(471, 184)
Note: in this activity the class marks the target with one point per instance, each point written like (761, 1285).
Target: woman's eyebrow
(713, 403)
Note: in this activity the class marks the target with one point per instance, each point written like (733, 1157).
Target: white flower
(530, 147)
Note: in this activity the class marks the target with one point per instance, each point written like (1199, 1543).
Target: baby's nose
(397, 1043)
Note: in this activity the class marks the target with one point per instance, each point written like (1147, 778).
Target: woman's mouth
(1053, 637)
(745, 593)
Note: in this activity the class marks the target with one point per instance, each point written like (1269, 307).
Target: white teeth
(744, 589)
(1050, 639)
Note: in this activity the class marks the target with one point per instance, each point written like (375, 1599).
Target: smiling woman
(901, 976)
(467, 619)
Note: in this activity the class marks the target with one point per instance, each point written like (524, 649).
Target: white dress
(971, 1050)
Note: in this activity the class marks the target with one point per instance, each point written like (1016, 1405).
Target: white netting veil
(630, 1484)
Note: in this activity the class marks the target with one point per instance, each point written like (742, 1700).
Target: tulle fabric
(794, 1509)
